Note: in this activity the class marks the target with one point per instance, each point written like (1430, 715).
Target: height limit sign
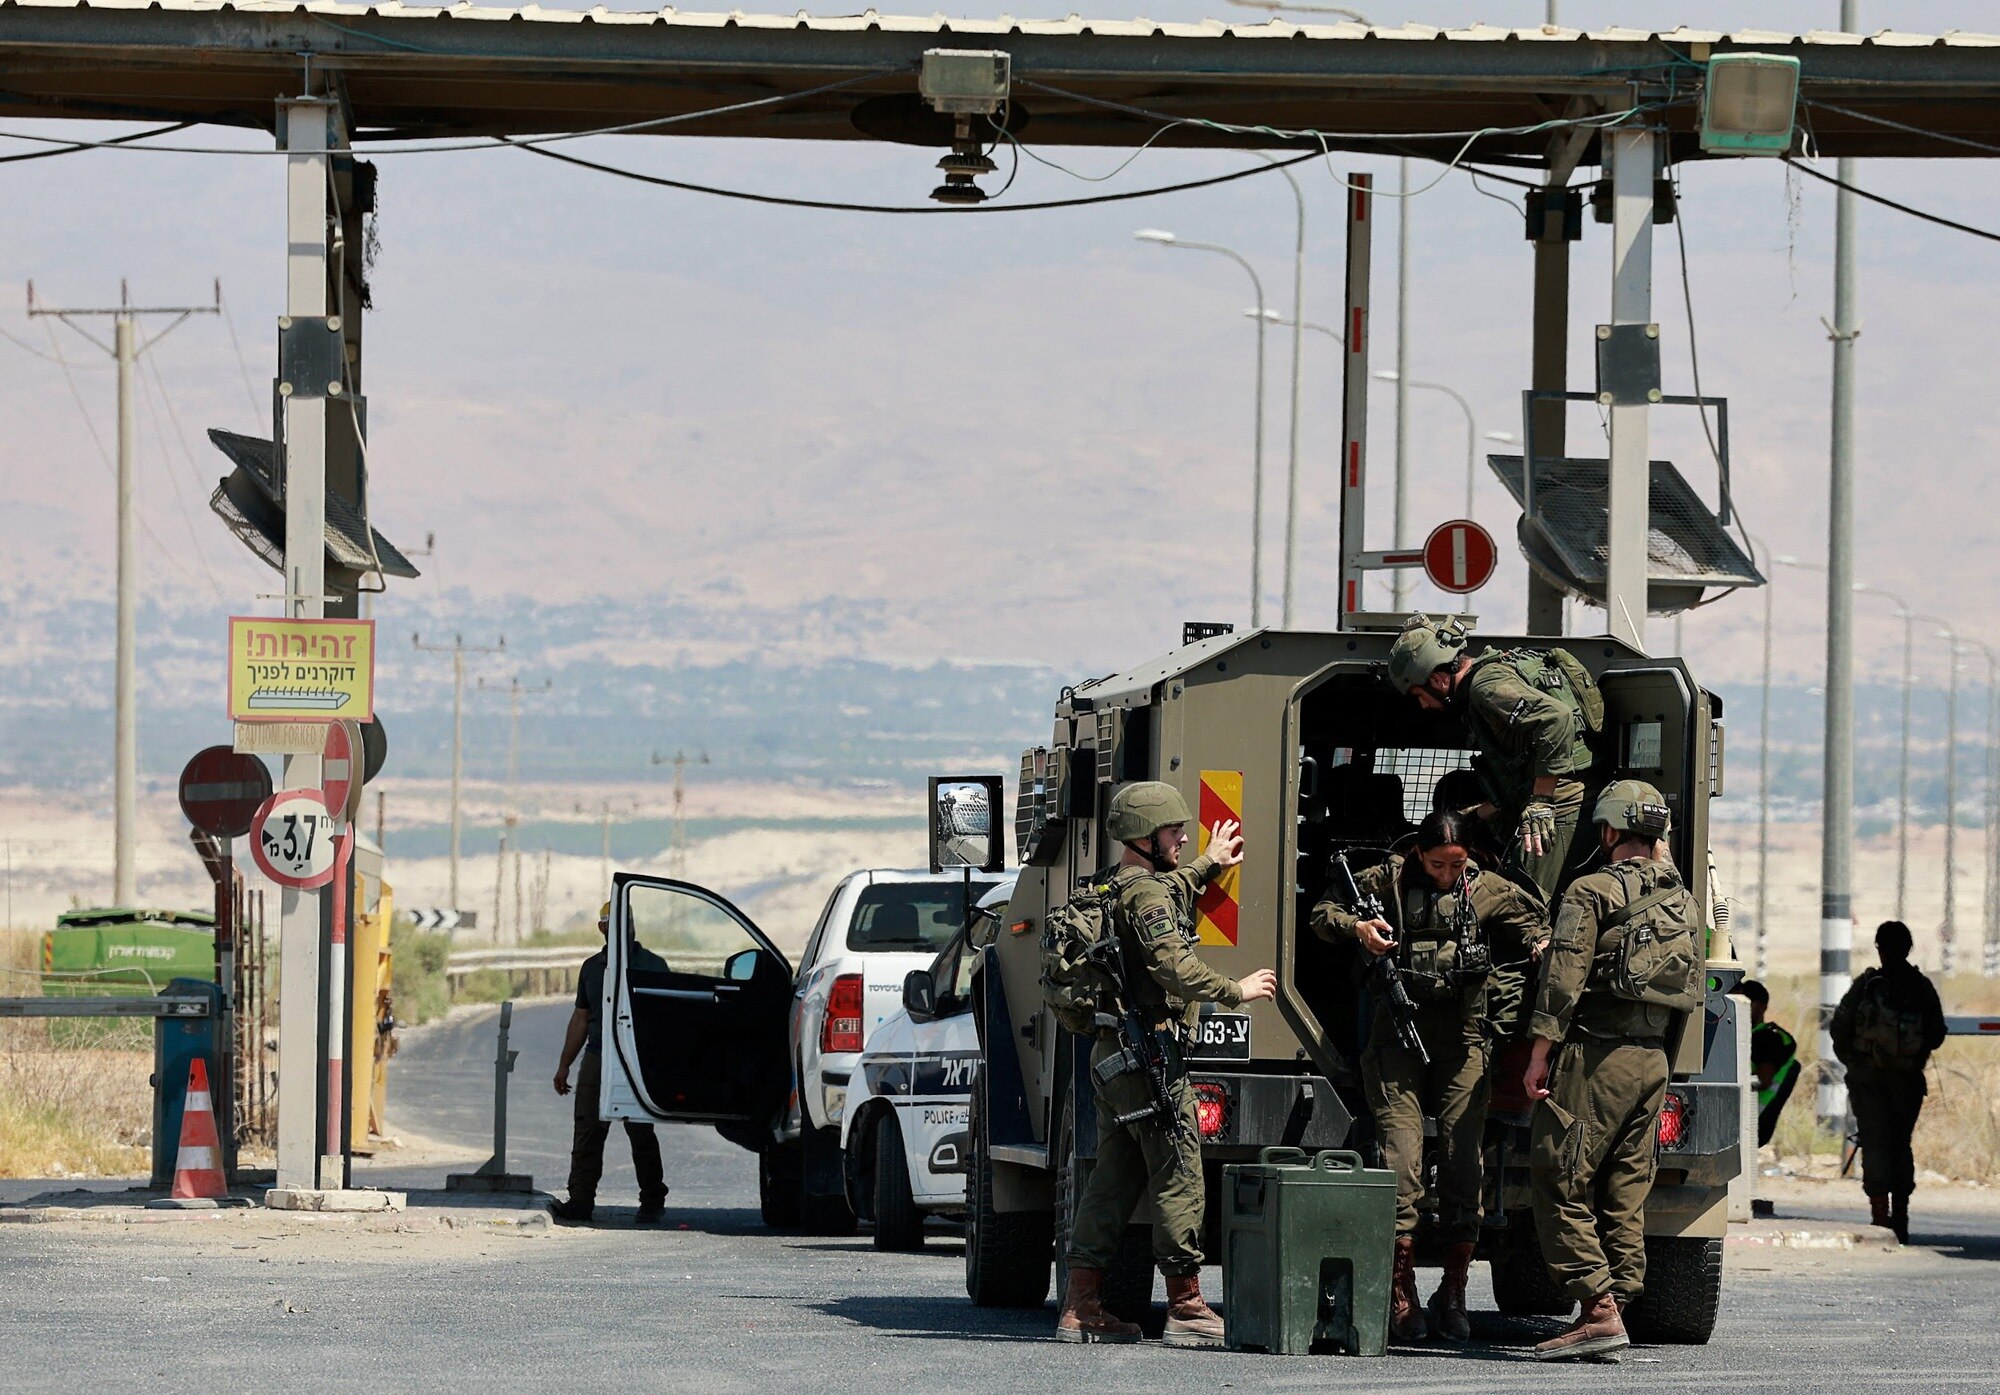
(292, 839)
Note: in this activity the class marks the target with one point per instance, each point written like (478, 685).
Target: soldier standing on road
(1623, 969)
(1884, 1032)
(1154, 919)
(1451, 923)
(1530, 713)
(586, 1154)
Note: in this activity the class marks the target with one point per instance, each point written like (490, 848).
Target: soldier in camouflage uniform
(1599, 1071)
(1526, 718)
(1428, 895)
(1154, 921)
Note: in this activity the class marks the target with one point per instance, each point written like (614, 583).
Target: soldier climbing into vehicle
(1149, 900)
(1531, 713)
(1452, 929)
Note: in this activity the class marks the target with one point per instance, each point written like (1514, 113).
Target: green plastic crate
(1307, 1242)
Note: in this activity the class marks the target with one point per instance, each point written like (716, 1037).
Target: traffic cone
(198, 1168)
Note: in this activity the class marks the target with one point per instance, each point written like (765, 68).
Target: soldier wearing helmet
(1529, 714)
(1627, 960)
(1154, 897)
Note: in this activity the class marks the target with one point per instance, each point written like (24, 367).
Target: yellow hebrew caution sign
(301, 670)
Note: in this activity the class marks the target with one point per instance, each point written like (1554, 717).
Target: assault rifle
(1395, 993)
(1141, 1046)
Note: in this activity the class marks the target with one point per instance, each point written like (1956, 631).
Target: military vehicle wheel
(899, 1222)
(1006, 1252)
(780, 1179)
(1521, 1283)
(1128, 1283)
(1683, 1291)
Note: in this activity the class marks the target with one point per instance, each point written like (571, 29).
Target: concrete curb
(1812, 1235)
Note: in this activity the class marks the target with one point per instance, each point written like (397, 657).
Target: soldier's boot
(1899, 1217)
(1406, 1309)
(1190, 1321)
(652, 1208)
(1084, 1317)
(1878, 1212)
(1598, 1330)
(1448, 1303)
(576, 1210)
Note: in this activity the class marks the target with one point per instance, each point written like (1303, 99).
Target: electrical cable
(70, 145)
(173, 479)
(1887, 202)
(236, 345)
(28, 348)
(784, 201)
(1903, 126)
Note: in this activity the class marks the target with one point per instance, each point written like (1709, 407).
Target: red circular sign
(221, 789)
(1459, 556)
(340, 768)
(292, 839)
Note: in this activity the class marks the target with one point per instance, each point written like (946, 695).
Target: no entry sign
(292, 839)
(340, 769)
(1459, 556)
(221, 790)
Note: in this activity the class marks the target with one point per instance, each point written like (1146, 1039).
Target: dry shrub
(68, 1110)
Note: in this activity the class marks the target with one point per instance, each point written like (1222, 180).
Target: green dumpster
(1307, 1242)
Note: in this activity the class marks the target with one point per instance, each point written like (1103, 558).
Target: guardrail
(550, 970)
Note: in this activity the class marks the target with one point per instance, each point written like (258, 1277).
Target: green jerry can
(1307, 1247)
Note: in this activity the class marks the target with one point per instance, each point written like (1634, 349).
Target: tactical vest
(1430, 925)
(1154, 1002)
(1557, 673)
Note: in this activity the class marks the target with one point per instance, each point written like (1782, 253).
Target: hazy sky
(1017, 435)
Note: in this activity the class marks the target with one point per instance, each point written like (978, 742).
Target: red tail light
(841, 1028)
(1673, 1121)
(1211, 1108)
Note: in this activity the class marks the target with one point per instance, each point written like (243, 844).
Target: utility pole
(1836, 896)
(1948, 925)
(125, 349)
(458, 649)
(604, 812)
(1760, 937)
(677, 850)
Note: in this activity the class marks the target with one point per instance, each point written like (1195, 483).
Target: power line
(1887, 202)
(173, 479)
(1905, 127)
(236, 344)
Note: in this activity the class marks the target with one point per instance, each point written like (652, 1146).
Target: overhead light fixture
(1749, 105)
(964, 83)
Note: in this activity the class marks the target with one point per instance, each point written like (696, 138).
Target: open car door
(696, 1005)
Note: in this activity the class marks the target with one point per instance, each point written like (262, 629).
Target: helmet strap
(1150, 850)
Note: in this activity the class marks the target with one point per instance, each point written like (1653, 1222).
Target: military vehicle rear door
(696, 1004)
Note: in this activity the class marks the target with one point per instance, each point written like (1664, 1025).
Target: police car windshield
(911, 917)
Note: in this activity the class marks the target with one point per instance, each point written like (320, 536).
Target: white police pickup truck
(903, 1134)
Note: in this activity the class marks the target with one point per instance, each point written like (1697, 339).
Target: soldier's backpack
(1650, 950)
(1074, 985)
(1888, 1025)
(1561, 672)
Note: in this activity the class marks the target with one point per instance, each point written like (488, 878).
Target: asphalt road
(714, 1303)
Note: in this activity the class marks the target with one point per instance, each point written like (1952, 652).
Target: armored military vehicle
(1300, 737)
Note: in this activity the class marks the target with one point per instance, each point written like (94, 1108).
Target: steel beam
(1633, 160)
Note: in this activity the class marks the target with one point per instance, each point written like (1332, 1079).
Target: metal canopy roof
(461, 70)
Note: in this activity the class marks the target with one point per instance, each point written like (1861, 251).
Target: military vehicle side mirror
(919, 995)
(965, 816)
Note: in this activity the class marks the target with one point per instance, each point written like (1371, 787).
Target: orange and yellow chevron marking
(1221, 798)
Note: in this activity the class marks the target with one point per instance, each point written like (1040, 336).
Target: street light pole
(1760, 938)
(1836, 896)
(458, 650)
(1909, 619)
(1292, 452)
(1948, 926)
(1391, 375)
(1167, 239)
(1400, 579)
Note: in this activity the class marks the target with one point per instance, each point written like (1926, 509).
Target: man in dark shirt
(1884, 1032)
(586, 1154)
(1774, 1060)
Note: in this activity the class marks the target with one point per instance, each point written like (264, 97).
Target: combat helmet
(1143, 808)
(1633, 806)
(1424, 647)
